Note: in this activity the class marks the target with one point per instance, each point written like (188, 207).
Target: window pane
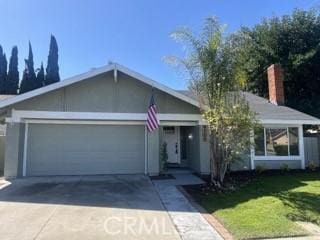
(277, 141)
(294, 141)
(259, 142)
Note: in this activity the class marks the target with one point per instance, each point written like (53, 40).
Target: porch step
(173, 165)
(179, 170)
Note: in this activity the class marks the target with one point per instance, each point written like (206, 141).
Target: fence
(311, 149)
(2, 143)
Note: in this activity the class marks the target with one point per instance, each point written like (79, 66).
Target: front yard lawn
(268, 206)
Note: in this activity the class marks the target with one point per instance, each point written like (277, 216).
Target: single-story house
(95, 123)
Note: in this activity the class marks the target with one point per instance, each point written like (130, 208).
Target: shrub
(312, 166)
(261, 168)
(164, 157)
(284, 167)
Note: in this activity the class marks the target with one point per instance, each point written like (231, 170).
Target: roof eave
(290, 121)
(92, 73)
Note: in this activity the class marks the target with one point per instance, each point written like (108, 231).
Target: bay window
(276, 141)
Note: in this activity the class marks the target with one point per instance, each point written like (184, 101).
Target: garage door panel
(84, 149)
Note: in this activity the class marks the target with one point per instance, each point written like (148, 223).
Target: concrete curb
(4, 184)
(213, 221)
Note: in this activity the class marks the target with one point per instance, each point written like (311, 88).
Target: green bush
(312, 166)
(164, 157)
(284, 167)
(261, 168)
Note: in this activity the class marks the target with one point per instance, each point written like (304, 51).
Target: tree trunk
(218, 164)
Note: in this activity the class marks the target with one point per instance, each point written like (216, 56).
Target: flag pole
(152, 123)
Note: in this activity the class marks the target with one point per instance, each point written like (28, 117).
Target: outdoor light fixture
(190, 136)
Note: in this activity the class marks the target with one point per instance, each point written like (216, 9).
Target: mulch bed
(236, 180)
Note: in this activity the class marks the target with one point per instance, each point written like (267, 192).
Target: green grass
(268, 206)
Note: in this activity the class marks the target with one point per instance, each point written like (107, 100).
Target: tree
(24, 84)
(52, 70)
(3, 71)
(29, 79)
(13, 73)
(40, 75)
(211, 69)
(292, 41)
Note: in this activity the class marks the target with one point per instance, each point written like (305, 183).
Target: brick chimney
(275, 84)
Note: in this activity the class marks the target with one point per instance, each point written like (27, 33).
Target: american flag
(152, 120)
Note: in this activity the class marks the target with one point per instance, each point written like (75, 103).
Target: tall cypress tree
(3, 71)
(30, 65)
(24, 81)
(12, 83)
(40, 76)
(52, 70)
(29, 79)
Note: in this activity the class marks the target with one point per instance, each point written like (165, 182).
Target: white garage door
(65, 149)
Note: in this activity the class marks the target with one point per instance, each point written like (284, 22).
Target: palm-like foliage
(212, 73)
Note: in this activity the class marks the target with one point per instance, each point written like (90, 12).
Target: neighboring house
(94, 123)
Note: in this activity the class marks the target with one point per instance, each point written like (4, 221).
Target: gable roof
(7, 101)
(3, 97)
(269, 113)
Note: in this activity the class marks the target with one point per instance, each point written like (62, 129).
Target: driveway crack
(46, 222)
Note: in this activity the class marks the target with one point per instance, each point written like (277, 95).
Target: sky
(136, 34)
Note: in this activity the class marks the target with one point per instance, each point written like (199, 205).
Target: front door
(171, 137)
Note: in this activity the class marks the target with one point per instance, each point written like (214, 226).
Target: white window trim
(299, 157)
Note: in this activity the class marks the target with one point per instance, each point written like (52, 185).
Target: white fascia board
(17, 115)
(290, 122)
(92, 73)
(55, 86)
(105, 122)
(84, 122)
(179, 123)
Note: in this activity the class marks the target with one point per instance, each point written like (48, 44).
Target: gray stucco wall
(276, 164)
(153, 152)
(184, 162)
(243, 165)
(204, 150)
(193, 149)
(14, 144)
(102, 94)
(51, 101)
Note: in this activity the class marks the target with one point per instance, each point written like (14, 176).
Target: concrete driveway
(101, 207)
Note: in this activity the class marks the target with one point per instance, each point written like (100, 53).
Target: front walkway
(190, 223)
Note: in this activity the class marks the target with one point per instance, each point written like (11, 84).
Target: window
(169, 130)
(277, 142)
(294, 141)
(273, 141)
